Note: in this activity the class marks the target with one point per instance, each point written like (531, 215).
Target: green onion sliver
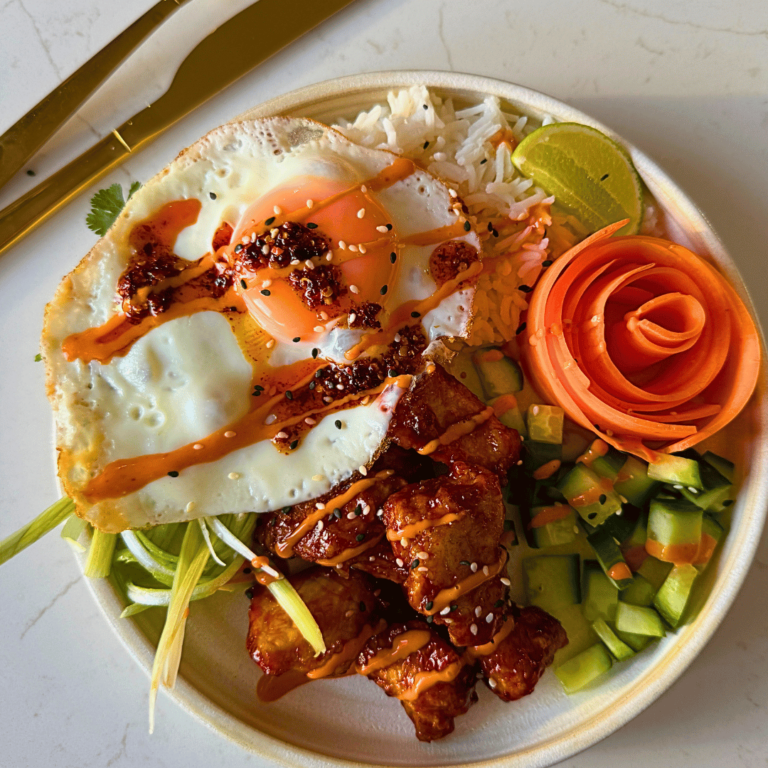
(37, 528)
(72, 531)
(162, 573)
(99, 561)
(193, 557)
(208, 542)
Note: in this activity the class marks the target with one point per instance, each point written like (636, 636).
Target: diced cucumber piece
(536, 454)
(545, 423)
(580, 633)
(562, 530)
(716, 489)
(509, 413)
(584, 668)
(639, 592)
(610, 558)
(676, 470)
(635, 641)
(600, 595)
(552, 582)
(655, 571)
(590, 495)
(622, 524)
(711, 533)
(607, 464)
(618, 648)
(639, 620)
(462, 368)
(719, 501)
(723, 466)
(499, 374)
(633, 482)
(672, 597)
(674, 530)
(639, 532)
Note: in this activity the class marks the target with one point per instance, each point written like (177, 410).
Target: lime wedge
(590, 175)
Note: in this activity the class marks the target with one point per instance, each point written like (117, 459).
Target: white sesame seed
(692, 489)
(281, 436)
(453, 192)
(366, 400)
(327, 399)
(265, 249)
(473, 567)
(371, 559)
(319, 329)
(447, 621)
(403, 542)
(678, 487)
(189, 507)
(278, 210)
(246, 240)
(348, 613)
(422, 569)
(352, 248)
(329, 257)
(382, 229)
(380, 513)
(423, 555)
(273, 232)
(271, 419)
(352, 317)
(445, 610)
(323, 315)
(270, 344)
(318, 478)
(489, 618)
(230, 433)
(351, 515)
(439, 156)
(361, 213)
(478, 611)
(320, 505)
(197, 447)
(342, 245)
(363, 469)
(308, 264)
(310, 203)
(520, 463)
(399, 562)
(354, 289)
(491, 682)
(309, 420)
(340, 387)
(397, 338)
(505, 581)
(362, 248)
(363, 188)
(535, 410)
(234, 475)
(266, 284)
(294, 262)
(320, 525)
(575, 528)
(473, 629)
(486, 571)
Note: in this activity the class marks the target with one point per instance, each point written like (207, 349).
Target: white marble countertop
(686, 82)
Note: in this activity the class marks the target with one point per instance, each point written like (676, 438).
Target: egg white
(188, 377)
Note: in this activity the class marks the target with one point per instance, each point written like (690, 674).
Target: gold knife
(28, 134)
(229, 52)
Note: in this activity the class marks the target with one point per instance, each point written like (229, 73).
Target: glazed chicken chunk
(414, 664)
(345, 610)
(442, 417)
(446, 532)
(524, 648)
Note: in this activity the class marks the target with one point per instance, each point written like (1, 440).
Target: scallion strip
(37, 528)
(99, 561)
(207, 536)
(72, 530)
(162, 573)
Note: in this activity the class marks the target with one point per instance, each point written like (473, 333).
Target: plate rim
(733, 571)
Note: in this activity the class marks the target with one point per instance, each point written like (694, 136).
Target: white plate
(351, 722)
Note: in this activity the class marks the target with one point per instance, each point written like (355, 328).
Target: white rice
(460, 147)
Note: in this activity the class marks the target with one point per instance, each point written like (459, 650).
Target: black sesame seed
(425, 106)
(415, 563)
(212, 195)
(294, 445)
(383, 290)
(265, 292)
(319, 374)
(30, 172)
(526, 288)
(546, 263)
(358, 510)
(359, 537)
(494, 233)
(392, 257)
(296, 339)
(604, 177)
(603, 498)
(315, 353)
(270, 220)
(467, 226)
(592, 515)
(498, 604)
(490, 226)
(243, 284)
(415, 314)
(238, 248)
(247, 570)
(311, 225)
(311, 384)
(256, 393)
(391, 373)
(430, 619)
(454, 607)
(337, 513)
(429, 605)
(463, 562)
(289, 394)
(389, 227)
(484, 161)
(249, 593)
(520, 328)
(337, 423)
(259, 387)
(363, 607)
(728, 502)
(426, 144)
(286, 510)
(173, 473)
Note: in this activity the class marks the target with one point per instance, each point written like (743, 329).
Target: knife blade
(228, 53)
(30, 132)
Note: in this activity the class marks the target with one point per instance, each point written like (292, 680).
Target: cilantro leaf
(38, 357)
(106, 205)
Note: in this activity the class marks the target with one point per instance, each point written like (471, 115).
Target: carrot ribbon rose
(641, 340)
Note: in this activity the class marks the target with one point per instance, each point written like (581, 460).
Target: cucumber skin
(672, 597)
(497, 377)
(581, 670)
(676, 470)
(639, 592)
(608, 554)
(618, 648)
(639, 620)
(725, 467)
(638, 488)
(552, 581)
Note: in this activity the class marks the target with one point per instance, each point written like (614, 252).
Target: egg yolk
(344, 216)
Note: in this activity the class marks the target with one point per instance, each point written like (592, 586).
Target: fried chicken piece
(446, 531)
(433, 682)
(381, 563)
(342, 607)
(409, 465)
(437, 402)
(514, 668)
(330, 535)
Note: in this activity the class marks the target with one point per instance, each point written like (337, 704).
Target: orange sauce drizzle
(348, 554)
(490, 356)
(673, 553)
(503, 404)
(422, 525)
(404, 312)
(549, 515)
(706, 549)
(457, 430)
(263, 578)
(285, 547)
(546, 470)
(597, 449)
(493, 644)
(348, 652)
(423, 681)
(619, 571)
(446, 596)
(592, 496)
(121, 477)
(439, 235)
(404, 645)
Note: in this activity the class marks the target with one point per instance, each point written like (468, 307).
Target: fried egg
(239, 339)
